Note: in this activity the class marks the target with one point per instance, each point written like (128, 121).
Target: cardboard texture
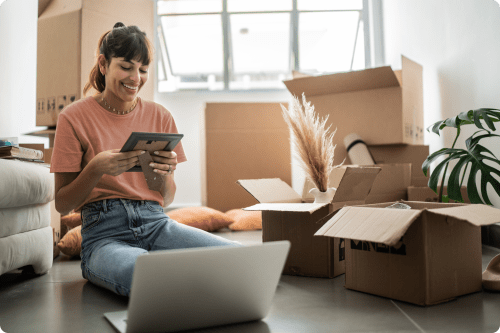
(241, 141)
(414, 154)
(428, 195)
(68, 32)
(382, 109)
(426, 255)
(286, 216)
(391, 184)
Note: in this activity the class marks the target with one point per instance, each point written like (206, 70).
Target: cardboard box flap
(380, 225)
(354, 183)
(270, 190)
(478, 215)
(288, 207)
(372, 78)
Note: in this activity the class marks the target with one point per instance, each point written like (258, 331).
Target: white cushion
(15, 220)
(25, 183)
(33, 248)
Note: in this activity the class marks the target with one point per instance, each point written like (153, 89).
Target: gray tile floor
(62, 301)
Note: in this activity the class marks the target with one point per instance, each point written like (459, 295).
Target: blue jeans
(116, 231)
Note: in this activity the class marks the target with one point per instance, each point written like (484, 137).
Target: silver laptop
(185, 289)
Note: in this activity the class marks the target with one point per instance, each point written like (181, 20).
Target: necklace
(118, 111)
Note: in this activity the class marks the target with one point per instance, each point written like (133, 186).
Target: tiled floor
(62, 301)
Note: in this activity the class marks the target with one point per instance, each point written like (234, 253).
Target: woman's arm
(164, 163)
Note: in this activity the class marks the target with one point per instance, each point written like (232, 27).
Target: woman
(121, 217)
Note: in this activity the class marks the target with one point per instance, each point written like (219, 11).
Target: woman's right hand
(114, 163)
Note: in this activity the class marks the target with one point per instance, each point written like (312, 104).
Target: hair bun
(118, 25)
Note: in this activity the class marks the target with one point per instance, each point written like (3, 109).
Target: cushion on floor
(33, 184)
(245, 219)
(28, 248)
(71, 243)
(69, 222)
(15, 220)
(204, 218)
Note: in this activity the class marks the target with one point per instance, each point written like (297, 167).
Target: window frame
(370, 15)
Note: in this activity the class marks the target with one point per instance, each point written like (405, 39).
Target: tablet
(151, 142)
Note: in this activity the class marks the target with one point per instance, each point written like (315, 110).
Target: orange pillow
(69, 222)
(203, 218)
(71, 243)
(245, 219)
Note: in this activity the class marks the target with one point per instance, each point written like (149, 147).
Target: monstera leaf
(488, 115)
(474, 157)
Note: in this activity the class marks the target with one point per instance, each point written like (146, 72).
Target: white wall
(458, 45)
(18, 40)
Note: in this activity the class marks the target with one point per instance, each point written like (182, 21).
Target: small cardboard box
(381, 105)
(68, 32)
(391, 184)
(422, 193)
(414, 154)
(425, 255)
(285, 216)
(241, 141)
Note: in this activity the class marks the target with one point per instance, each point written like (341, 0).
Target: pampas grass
(313, 144)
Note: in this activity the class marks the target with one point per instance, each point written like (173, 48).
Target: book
(20, 152)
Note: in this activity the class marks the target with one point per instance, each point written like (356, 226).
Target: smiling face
(124, 79)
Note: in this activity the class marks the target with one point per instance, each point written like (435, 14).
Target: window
(256, 44)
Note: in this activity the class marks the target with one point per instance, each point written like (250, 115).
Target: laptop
(175, 290)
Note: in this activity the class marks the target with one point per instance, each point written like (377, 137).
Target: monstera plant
(473, 158)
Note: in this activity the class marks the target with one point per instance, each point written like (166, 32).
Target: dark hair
(122, 42)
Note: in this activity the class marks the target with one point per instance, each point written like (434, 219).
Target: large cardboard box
(381, 105)
(285, 216)
(391, 184)
(414, 154)
(241, 141)
(68, 32)
(422, 193)
(425, 255)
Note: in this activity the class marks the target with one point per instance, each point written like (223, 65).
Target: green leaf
(488, 115)
(445, 198)
(453, 186)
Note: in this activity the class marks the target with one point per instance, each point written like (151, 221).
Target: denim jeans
(116, 231)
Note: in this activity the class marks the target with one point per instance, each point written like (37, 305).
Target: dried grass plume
(313, 144)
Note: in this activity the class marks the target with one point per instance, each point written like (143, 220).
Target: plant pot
(323, 197)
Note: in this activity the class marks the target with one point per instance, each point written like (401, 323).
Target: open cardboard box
(285, 216)
(424, 193)
(391, 184)
(425, 255)
(383, 106)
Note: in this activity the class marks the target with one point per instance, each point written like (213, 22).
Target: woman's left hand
(164, 163)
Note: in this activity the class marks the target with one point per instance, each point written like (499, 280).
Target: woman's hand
(114, 163)
(165, 162)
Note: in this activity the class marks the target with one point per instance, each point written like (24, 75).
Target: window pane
(359, 54)
(194, 44)
(329, 4)
(189, 6)
(326, 40)
(260, 42)
(258, 5)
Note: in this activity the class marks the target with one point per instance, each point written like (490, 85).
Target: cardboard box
(68, 33)
(47, 133)
(285, 216)
(381, 105)
(391, 184)
(428, 195)
(414, 154)
(241, 141)
(425, 255)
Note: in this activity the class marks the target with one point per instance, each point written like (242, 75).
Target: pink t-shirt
(84, 129)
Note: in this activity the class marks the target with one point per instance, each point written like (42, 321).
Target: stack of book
(21, 153)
